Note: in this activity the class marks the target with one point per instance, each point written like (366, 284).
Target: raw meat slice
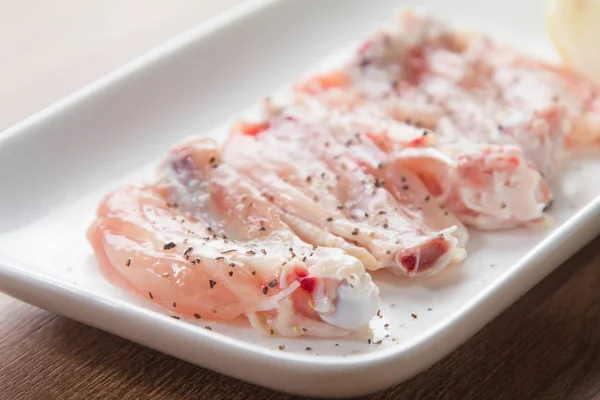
(424, 73)
(311, 177)
(506, 191)
(205, 244)
(415, 173)
(426, 70)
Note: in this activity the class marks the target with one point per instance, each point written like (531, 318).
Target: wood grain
(546, 346)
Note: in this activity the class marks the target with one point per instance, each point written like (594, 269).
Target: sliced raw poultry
(424, 73)
(425, 70)
(312, 177)
(415, 174)
(483, 185)
(204, 243)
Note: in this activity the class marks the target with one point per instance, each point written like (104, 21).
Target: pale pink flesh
(230, 253)
(399, 155)
(310, 177)
(425, 73)
(129, 237)
(447, 66)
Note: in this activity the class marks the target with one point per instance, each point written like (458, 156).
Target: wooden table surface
(546, 346)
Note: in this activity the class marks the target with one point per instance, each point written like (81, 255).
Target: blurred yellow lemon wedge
(575, 29)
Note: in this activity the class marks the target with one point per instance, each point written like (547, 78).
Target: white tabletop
(50, 48)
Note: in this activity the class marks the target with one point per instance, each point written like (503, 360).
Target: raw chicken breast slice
(424, 68)
(496, 186)
(425, 74)
(492, 187)
(506, 191)
(412, 171)
(204, 243)
(541, 87)
(308, 176)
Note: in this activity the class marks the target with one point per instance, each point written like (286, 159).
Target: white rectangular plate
(56, 166)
